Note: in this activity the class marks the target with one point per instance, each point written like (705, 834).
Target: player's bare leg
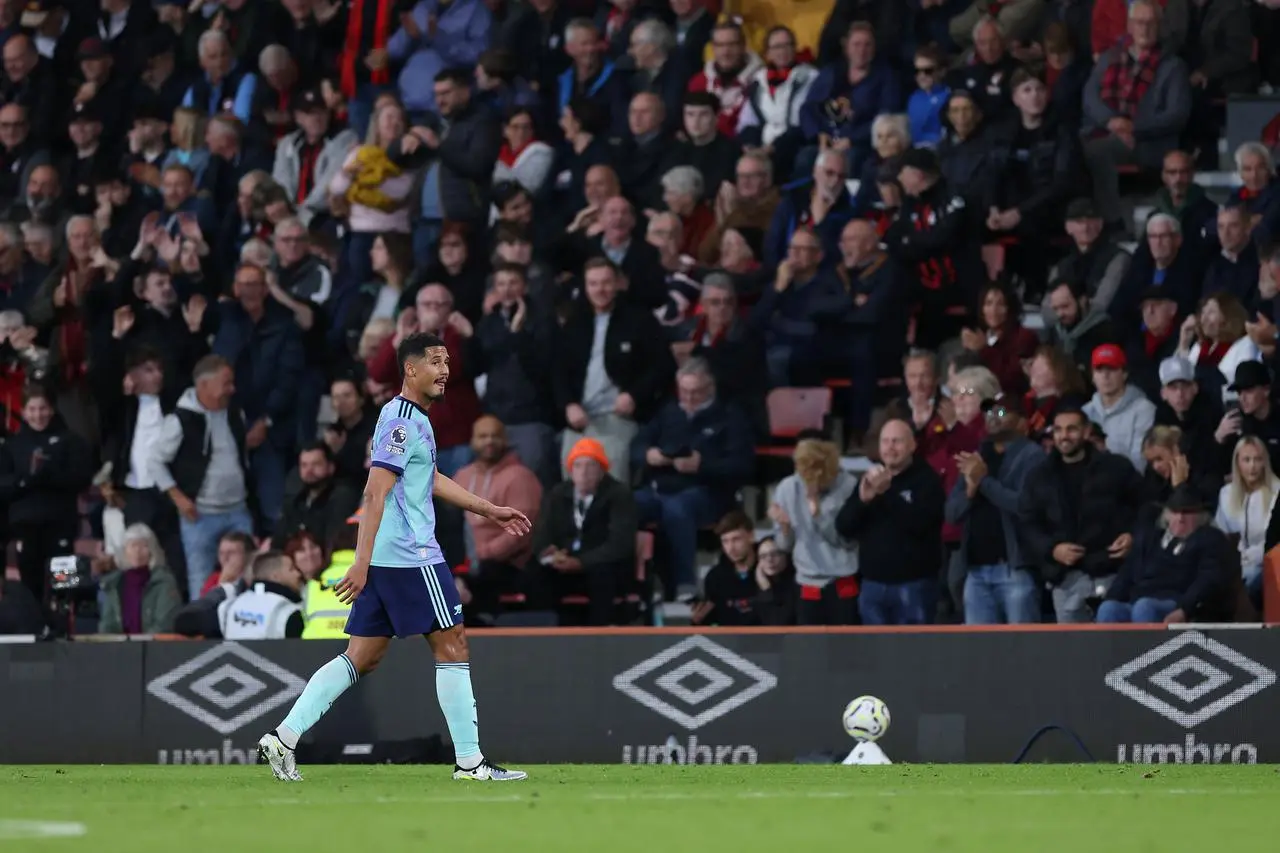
(330, 681)
(457, 701)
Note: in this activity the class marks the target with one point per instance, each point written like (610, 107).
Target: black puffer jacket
(42, 473)
(1111, 496)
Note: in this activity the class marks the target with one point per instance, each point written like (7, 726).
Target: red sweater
(1004, 359)
(962, 438)
(507, 483)
(452, 417)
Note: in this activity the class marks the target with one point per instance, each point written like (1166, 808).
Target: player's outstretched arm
(513, 521)
(381, 481)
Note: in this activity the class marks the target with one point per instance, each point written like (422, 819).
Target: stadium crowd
(640, 226)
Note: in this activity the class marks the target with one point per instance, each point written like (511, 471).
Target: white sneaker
(281, 758)
(486, 771)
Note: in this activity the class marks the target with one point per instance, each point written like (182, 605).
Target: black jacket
(636, 357)
(323, 511)
(1198, 427)
(720, 434)
(607, 541)
(1111, 496)
(899, 534)
(519, 384)
(641, 166)
(1144, 370)
(1238, 277)
(967, 166)
(934, 236)
(737, 600)
(1182, 281)
(881, 320)
(642, 265)
(717, 161)
(989, 85)
(537, 45)
(1267, 430)
(467, 152)
(1193, 573)
(1036, 171)
(737, 363)
(43, 473)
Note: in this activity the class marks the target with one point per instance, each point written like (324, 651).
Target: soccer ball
(866, 719)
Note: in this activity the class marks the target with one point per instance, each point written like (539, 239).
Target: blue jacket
(268, 363)
(924, 110)
(719, 433)
(462, 33)
(879, 93)
(786, 216)
(791, 317)
(1004, 490)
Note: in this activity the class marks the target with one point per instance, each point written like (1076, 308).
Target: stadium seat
(792, 411)
(89, 548)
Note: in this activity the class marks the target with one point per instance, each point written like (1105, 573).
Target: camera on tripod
(71, 578)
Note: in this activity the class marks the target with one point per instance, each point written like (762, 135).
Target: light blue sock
(329, 682)
(458, 702)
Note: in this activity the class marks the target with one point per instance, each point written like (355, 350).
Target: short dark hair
(139, 356)
(734, 520)
(1021, 76)
(511, 232)
(702, 99)
(600, 262)
(36, 391)
(415, 346)
(518, 269)
(317, 447)
(353, 381)
(457, 76)
(1070, 406)
(1078, 288)
(592, 117)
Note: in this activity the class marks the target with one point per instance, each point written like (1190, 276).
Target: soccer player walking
(399, 582)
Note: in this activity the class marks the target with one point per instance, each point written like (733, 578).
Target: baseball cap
(1176, 368)
(92, 48)
(1082, 208)
(310, 100)
(1156, 292)
(1250, 374)
(1108, 355)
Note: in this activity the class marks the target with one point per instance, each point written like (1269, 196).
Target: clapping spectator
(1246, 506)
(1000, 586)
(748, 201)
(751, 584)
(895, 516)
(693, 456)
(1076, 513)
(1176, 570)
(805, 512)
(140, 596)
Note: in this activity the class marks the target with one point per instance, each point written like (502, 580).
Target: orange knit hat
(589, 448)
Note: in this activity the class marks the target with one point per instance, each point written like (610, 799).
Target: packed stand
(636, 224)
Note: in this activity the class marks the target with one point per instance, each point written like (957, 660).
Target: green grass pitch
(656, 809)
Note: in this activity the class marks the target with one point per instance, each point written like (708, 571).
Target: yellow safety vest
(327, 616)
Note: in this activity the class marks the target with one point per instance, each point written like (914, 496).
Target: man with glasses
(18, 152)
(727, 75)
(747, 201)
(1169, 266)
(1076, 512)
(999, 588)
(786, 314)
(822, 206)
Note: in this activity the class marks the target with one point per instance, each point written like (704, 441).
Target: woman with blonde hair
(804, 510)
(140, 594)
(1245, 505)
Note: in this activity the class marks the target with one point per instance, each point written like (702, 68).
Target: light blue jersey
(405, 444)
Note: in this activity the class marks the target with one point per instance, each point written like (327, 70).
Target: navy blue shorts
(403, 602)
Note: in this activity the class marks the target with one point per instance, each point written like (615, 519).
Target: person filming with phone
(1254, 415)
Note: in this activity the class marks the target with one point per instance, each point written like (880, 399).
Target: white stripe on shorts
(441, 604)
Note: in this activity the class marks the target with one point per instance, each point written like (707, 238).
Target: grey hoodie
(223, 488)
(818, 552)
(1126, 423)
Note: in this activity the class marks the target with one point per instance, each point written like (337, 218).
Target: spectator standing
(1176, 571)
(611, 368)
(434, 36)
(43, 469)
(895, 516)
(1076, 512)
(201, 462)
(1121, 410)
(1136, 104)
(307, 159)
(585, 538)
(1246, 506)
(260, 339)
(694, 455)
(805, 512)
(1000, 586)
(140, 596)
(513, 339)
